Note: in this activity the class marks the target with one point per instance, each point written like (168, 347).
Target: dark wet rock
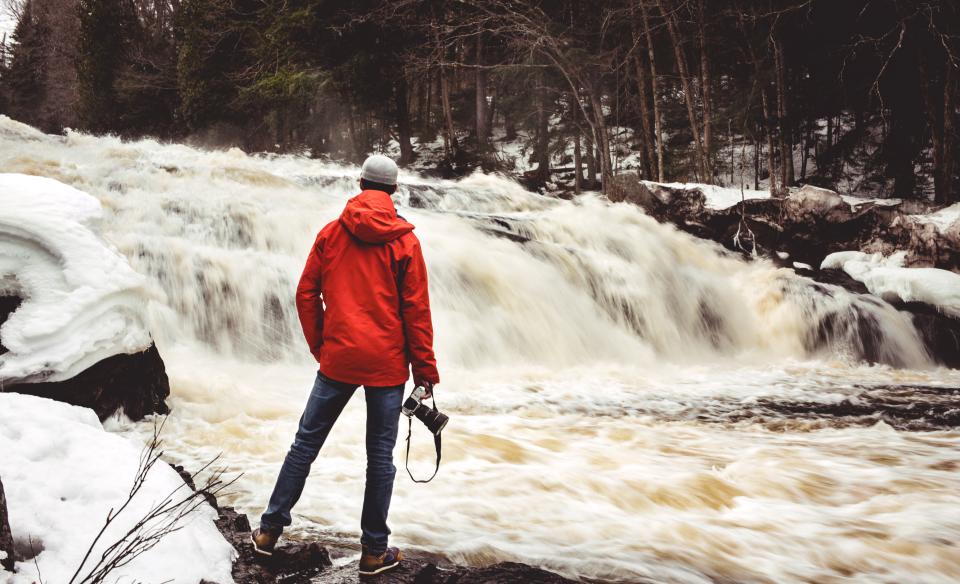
(136, 383)
(299, 562)
(7, 305)
(809, 224)
(415, 570)
(292, 562)
(916, 408)
(940, 333)
(6, 537)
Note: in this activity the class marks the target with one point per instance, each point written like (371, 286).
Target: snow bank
(946, 219)
(63, 473)
(83, 301)
(886, 277)
(814, 199)
(716, 197)
(855, 201)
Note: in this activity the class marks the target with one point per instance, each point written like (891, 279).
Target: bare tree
(162, 519)
(658, 136)
(670, 17)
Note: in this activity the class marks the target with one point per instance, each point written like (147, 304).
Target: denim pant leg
(324, 405)
(383, 422)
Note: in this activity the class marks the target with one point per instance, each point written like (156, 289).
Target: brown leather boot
(371, 564)
(264, 541)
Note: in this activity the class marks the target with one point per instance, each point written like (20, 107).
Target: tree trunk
(701, 163)
(403, 120)
(785, 139)
(807, 138)
(481, 102)
(577, 163)
(949, 111)
(427, 112)
(650, 163)
(602, 140)
(757, 147)
(771, 165)
(705, 83)
(542, 153)
(654, 93)
(447, 111)
(591, 161)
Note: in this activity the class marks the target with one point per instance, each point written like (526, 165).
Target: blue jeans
(326, 401)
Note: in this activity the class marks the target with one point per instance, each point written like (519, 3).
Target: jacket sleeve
(417, 324)
(310, 302)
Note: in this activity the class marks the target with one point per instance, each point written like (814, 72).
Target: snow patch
(887, 278)
(855, 201)
(945, 220)
(815, 199)
(82, 300)
(716, 197)
(62, 473)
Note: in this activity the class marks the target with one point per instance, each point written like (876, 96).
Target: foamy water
(627, 402)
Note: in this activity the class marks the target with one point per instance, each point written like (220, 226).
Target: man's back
(367, 269)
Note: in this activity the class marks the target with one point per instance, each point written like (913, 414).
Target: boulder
(73, 318)
(135, 383)
(7, 305)
(940, 333)
(809, 224)
(6, 537)
(298, 562)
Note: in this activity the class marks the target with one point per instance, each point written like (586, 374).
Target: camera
(433, 419)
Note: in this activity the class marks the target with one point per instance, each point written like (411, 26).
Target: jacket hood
(371, 217)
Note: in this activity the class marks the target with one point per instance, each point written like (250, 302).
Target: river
(627, 402)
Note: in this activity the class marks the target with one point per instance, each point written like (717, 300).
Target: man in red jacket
(365, 312)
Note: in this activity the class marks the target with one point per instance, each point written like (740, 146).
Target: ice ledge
(82, 300)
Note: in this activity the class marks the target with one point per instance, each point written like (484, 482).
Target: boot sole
(380, 570)
(384, 568)
(258, 550)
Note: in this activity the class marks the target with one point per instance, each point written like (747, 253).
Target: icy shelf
(82, 300)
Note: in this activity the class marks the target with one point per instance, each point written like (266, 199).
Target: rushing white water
(624, 397)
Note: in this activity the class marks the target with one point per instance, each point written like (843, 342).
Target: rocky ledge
(805, 227)
(809, 224)
(135, 383)
(6, 538)
(306, 562)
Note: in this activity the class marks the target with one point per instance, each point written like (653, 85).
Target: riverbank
(297, 561)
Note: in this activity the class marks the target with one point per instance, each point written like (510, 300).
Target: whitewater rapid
(627, 402)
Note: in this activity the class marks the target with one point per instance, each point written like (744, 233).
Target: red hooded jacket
(362, 298)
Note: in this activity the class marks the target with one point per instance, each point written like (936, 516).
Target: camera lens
(432, 419)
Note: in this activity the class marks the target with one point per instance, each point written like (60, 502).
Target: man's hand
(427, 386)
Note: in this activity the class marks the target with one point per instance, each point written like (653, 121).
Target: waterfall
(627, 402)
(516, 278)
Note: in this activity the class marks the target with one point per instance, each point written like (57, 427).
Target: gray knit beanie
(379, 168)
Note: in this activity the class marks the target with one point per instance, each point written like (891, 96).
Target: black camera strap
(436, 444)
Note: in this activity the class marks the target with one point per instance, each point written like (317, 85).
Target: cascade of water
(515, 277)
(621, 392)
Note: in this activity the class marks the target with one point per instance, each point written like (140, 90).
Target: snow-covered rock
(63, 473)
(82, 300)
(715, 197)
(815, 200)
(6, 537)
(886, 277)
(946, 220)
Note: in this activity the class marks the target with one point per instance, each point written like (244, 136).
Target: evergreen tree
(105, 28)
(24, 80)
